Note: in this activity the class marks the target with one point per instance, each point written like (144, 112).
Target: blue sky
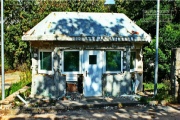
(109, 2)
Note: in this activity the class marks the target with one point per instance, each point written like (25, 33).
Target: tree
(22, 15)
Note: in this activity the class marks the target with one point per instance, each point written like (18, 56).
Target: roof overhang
(87, 27)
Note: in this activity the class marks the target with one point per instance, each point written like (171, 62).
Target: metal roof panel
(67, 25)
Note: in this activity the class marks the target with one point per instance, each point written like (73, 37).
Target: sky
(109, 2)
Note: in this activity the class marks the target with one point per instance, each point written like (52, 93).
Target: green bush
(162, 91)
(144, 99)
(25, 79)
(164, 85)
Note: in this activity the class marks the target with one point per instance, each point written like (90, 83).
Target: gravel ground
(100, 109)
(138, 112)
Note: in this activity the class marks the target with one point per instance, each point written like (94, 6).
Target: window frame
(121, 70)
(134, 69)
(71, 72)
(39, 62)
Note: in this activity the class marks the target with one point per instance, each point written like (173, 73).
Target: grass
(163, 90)
(150, 86)
(25, 79)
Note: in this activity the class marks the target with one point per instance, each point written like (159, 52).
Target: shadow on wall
(54, 86)
(116, 84)
(47, 86)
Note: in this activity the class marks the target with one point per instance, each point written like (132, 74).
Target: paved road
(138, 112)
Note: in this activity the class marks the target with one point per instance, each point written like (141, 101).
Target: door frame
(99, 64)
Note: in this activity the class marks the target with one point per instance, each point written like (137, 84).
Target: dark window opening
(45, 61)
(92, 59)
(113, 60)
(71, 61)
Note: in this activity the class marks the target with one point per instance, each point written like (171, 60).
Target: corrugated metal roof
(69, 26)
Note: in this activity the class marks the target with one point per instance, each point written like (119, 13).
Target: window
(113, 60)
(71, 61)
(45, 62)
(92, 59)
(133, 60)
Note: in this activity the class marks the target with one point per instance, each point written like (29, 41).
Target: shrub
(162, 91)
(25, 79)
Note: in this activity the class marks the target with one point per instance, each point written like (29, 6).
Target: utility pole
(157, 44)
(2, 51)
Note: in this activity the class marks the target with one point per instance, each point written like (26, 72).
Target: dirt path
(11, 78)
(106, 113)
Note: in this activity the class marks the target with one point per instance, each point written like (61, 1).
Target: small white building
(98, 51)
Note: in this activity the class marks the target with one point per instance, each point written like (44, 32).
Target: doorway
(92, 62)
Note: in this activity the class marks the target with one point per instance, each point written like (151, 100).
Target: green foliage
(168, 39)
(144, 99)
(25, 94)
(25, 79)
(160, 86)
(16, 50)
(22, 15)
(162, 94)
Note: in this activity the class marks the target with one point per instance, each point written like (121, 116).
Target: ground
(10, 78)
(139, 112)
